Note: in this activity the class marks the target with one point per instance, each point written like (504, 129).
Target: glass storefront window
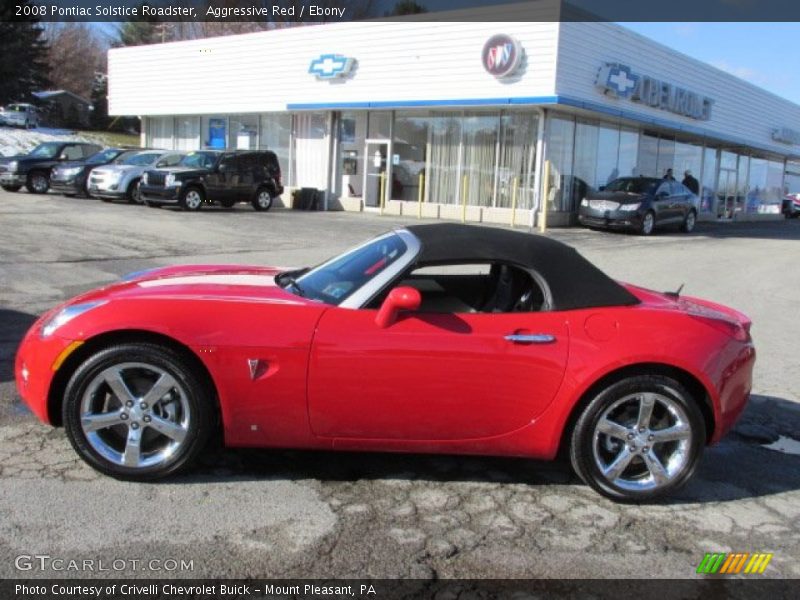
(352, 133)
(275, 133)
(479, 147)
(741, 188)
(187, 133)
(648, 156)
(666, 158)
(688, 157)
(708, 181)
(410, 145)
(442, 165)
(243, 132)
(560, 143)
(517, 160)
(380, 125)
(628, 153)
(311, 150)
(160, 132)
(215, 132)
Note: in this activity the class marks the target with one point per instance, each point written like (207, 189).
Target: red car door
(433, 376)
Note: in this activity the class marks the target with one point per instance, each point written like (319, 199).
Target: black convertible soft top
(572, 280)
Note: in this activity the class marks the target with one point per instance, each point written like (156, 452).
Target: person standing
(668, 175)
(690, 182)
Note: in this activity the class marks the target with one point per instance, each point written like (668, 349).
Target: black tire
(152, 204)
(192, 198)
(132, 193)
(38, 182)
(263, 199)
(648, 225)
(689, 222)
(188, 412)
(12, 188)
(637, 451)
(107, 200)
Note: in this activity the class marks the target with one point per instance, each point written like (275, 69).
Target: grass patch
(111, 138)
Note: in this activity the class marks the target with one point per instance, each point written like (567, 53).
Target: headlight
(171, 181)
(114, 176)
(144, 179)
(65, 315)
(584, 202)
(72, 171)
(12, 166)
(630, 207)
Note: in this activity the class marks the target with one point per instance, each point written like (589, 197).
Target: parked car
(33, 169)
(72, 178)
(209, 176)
(122, 178)
(442, 338)
(20, 114)
(791, 206)
(641, 204)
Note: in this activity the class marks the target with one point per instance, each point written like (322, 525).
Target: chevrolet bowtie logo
(617, 79)
(328, 66)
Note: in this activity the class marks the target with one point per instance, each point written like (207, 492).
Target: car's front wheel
(263, 199)
(638, 439)
(689, 222)
(133, 193)
(137, 411)
(648, 223)
(192, 199)
(38, 182)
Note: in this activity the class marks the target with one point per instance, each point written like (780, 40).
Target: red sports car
(433, 338)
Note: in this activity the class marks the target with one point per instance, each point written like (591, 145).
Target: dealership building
(481, 121)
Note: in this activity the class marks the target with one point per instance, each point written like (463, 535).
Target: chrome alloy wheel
(691, 221)
(648, 223)
(264, 199)
(642, 442)
(193, 200)
(135, 415)
(39, 183)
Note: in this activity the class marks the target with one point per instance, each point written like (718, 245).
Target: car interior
(474, 288)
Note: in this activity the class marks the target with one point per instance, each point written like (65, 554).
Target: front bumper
(12, 179)
(609, 219)
(159, 194)
(33, 369)
(68, 186)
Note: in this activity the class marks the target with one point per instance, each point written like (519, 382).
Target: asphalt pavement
(270, 514)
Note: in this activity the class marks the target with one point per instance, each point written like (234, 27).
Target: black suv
(33, 170)
(641, 204)
(208, 176)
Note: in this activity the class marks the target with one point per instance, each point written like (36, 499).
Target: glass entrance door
(376, 172)
(726, 193)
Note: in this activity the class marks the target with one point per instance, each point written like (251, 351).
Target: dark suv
(208, 176)
(72, 178)
(641, 204)
(33, 169)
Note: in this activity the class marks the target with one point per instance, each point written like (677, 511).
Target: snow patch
(21, 141)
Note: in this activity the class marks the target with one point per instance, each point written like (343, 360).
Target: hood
(198, 282)
(111, 168)
(72, 164)
(621, 197)
(7, 159)
(181, 170)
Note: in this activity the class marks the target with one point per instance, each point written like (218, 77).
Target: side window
(681, 190)
(169, 161)
(664, 187)
(89, 150)
(476, 288)
(72, 152)
(228, 163)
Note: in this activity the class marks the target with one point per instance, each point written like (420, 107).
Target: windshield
(632, 185)
(203, 160)
(46, 150)
(140, 159)
(335, 280)
(104, 156)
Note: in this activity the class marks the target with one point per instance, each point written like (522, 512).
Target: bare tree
(76, 52)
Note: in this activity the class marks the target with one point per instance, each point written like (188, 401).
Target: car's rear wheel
(263, 199)
(638, 439)
(133, 193)
(192, 199)
(689, 222)
(12, 188)
(137, 411)
(38, 182)
(648, 223)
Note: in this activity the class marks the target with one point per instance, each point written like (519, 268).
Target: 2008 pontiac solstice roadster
(433, 338)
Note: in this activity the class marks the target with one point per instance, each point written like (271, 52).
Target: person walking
(690, 182)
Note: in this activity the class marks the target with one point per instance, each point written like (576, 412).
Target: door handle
(530, 338)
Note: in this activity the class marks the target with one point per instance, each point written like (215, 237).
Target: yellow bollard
(545, 194)
(513, 201)
(421, 194)
(464, 200)
(383, 191)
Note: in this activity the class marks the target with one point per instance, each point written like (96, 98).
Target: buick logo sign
(501, 55)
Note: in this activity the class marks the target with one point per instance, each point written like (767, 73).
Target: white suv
(20, 115)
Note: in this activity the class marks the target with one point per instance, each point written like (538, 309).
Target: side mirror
(400, 298)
